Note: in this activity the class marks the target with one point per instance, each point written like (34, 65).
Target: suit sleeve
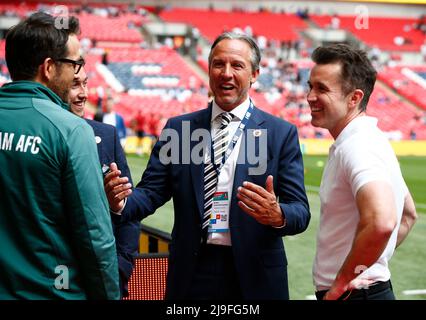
(126, 232)
(154, 189)
(291, 187)
(89, 217)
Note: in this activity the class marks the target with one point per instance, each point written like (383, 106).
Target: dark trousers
(376, 291)
(215, 276)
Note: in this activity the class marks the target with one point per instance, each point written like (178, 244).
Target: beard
(60, 86)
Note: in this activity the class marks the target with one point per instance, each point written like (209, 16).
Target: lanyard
(234, 140)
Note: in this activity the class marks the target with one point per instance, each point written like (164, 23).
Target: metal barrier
(153, 240)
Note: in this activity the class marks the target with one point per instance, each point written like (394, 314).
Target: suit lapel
(197, 170)
(100, 136)
(99, 144)
(241, 171)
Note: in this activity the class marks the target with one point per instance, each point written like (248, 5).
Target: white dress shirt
(226, 176)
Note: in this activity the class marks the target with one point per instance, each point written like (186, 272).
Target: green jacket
(56, 239)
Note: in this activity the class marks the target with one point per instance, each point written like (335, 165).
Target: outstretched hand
(261, 203)
(116, 188)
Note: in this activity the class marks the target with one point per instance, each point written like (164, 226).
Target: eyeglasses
(77, 64)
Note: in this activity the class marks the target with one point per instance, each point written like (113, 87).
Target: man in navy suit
(109, 150)
(236, 252)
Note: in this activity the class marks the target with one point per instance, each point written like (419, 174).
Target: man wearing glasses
(77, 64)
(60, 83)
(126, 233)
(56, 234)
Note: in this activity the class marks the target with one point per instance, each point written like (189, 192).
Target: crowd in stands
(156, 83)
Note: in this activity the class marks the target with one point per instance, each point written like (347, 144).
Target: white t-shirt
(360, 154)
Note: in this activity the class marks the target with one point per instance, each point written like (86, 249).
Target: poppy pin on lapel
(257, 133)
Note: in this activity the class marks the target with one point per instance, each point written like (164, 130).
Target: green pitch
(407, 265)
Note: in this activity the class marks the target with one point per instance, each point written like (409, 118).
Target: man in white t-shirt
(366, 208)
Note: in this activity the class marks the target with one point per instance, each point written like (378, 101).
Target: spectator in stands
(374, 54)
(421, 24)
(56, 235)
(100, 92)
(105, 59)
(240, 255)
(138, 126)
(366, 208)
(423, 50)
(303, 13)
(335, 22)
(109, 150)
(399, 40)
(98, 116)
(86, 45)
(113, 118)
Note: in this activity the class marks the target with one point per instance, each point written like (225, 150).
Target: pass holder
(105, 170)
(234, 140)
(219, 218)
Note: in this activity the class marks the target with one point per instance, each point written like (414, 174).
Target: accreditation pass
(219, 218)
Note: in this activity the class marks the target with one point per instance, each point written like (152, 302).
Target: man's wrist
(119, 211)
(283, 223)
(283, 220)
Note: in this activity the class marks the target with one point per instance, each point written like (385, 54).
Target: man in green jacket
(55, 228)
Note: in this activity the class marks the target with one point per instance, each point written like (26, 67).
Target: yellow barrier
(308, 146)
(315, 146)
(401, 148)
(152, 240)
(139, 146)
(409, 148)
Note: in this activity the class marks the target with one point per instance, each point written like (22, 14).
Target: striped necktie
(220, 144)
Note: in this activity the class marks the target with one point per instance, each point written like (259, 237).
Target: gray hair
(255, 51)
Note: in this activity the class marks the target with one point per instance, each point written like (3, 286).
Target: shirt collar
(238, 112)
(358, 124)
(31, 89)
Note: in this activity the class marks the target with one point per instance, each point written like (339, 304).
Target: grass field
(407, 265)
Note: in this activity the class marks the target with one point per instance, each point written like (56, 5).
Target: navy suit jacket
(126, 232)
(259, 254)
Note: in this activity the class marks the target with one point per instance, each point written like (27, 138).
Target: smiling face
(78, 93)
(331, 108)
(63, 76)
(231, 73)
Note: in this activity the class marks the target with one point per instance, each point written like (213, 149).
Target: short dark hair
(357, 70)
(33, 40)
(255, 51)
